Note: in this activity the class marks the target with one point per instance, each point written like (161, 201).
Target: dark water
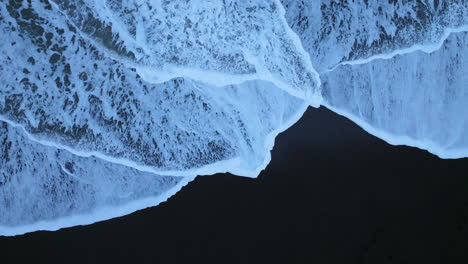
(332, 194)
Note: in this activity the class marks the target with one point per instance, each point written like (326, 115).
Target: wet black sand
(332, 194)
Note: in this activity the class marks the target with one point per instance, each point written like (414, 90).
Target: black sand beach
(332, 194)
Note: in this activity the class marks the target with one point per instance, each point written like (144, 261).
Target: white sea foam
(416, 97)
(107, 111)
(44, 188)
(99, 214)
(215, 42)
(423, 47)
(113, 105)
(399, 140)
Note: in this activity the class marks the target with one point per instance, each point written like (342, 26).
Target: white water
(142, 96)
(45, 188)
(426, 48)
(418, 99)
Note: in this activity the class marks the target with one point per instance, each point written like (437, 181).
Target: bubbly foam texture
(45, 188)
(107, 107)
(215, 42)
(334, 31)
(417, 99)
(398, 69)
(426, 48)
(78, 97)
(71, 95)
